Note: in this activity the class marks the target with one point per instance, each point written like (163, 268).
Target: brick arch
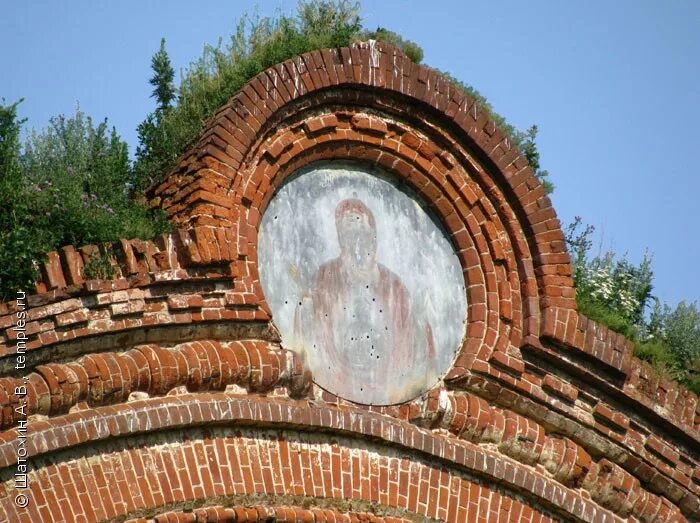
(277, 513)
(220, 183)
(177, 452)
(179, 340)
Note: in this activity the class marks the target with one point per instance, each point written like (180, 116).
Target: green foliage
(661, 353)
(411, 49)
(617, 284)
(660, 356)
(618, 294)
(163, 76)
(257, 44)
(681, 329)
(69, 185)
(154, 143)
(73, 183)
(610, 283)
(525, 140)
(99, 266)
(678, 331)
(208, 83)
(10, 128)
(603, 313)
(18, 246)
(79, 177)
(579, 244)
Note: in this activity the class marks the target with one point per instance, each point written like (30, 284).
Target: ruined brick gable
(166, 387)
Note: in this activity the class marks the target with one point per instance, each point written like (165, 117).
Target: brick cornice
(89, 427)
(273, 510)
(539, 399)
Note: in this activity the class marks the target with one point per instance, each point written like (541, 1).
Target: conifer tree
(162, 79)
(154, 152)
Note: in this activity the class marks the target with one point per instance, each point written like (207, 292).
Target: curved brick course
(253, 514)
(544, 414)
(108, 378)
(261, 474)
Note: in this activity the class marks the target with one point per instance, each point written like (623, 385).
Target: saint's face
(357, 239)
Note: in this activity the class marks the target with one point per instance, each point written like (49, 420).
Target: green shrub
(659, 354)
(602, 313)
(79, 179)
(665, 360)
(608, 286)
(99, 266)
(258, 44)
(70, 184)
(19, 246)
(412, 50)
(208, 83)
(693, 383)
(617, 293)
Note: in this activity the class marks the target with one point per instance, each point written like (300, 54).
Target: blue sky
(613, 87)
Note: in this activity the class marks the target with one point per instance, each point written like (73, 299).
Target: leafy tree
(10, 173)
(80, 178)
(683, 330)
(69, 185)
(680, 327)
(18, 246)
(671, 342)
(155, 150)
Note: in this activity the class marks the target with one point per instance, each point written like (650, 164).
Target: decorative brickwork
(252, 514)
(164, 393)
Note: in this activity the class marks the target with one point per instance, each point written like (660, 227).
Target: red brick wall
(164, 394)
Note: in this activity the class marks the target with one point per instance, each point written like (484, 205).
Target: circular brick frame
(350, 104)
(542, 402)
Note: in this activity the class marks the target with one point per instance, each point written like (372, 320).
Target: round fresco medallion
(362, 282)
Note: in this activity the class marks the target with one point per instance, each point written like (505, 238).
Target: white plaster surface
(362, 282)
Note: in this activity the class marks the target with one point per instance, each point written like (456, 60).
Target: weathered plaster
(383, 327)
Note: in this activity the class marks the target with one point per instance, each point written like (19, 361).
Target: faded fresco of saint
(362, 282)
(358, 315)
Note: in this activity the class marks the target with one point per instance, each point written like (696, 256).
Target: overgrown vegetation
(617, 293)
(68, 184)
(259, 43)
(73, 183)
(524, 140)
(99, 266)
